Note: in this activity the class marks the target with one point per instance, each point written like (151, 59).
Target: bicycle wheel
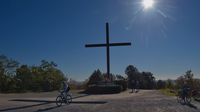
(69, 99)
(188, 99)
(59, 101)
(180, 100)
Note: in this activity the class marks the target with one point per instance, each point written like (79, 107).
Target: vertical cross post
(108, 51)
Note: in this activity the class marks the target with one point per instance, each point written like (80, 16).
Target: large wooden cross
(108, 45)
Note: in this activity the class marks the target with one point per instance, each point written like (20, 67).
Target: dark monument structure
(108, 45)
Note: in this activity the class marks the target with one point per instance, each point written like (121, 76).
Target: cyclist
(185, 90)
(66, 88)
(64, 95)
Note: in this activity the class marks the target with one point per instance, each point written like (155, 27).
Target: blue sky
(165, 39)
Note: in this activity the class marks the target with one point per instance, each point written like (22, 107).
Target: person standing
(137, 85)
(132, 85)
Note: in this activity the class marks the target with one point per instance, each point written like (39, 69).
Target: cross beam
(108, 45)
(111, 44)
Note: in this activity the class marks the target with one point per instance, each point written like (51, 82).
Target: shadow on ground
(46, 109)
(45, 102)
(198, 100)
(22, 107)
(192, 106)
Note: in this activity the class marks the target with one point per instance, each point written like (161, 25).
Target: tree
(180, 81)
(189, 78)
(186, 78)
(47, 76)
(169, 84)
(196, 84)
(9, 65)
(147, 80)
(188, 75)
(132, 72)
(2, 77)
(161, 84)
(130, 69)
(119, 77)
(7, 72)
(96, 77)
(45, 65)
(133, 75)
(24, 78)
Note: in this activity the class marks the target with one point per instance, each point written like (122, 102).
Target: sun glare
(148, 3)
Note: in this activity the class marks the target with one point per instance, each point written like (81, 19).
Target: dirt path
(144, 101)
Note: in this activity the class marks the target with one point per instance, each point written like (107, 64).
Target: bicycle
(184, 98)
(63, 98)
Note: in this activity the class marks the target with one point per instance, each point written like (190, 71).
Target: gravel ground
(144, 101)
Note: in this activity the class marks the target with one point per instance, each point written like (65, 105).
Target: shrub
(122, 83)
(104, 89)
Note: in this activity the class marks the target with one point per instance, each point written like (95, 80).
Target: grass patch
(168, 92)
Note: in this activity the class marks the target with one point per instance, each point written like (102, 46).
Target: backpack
(68, 88)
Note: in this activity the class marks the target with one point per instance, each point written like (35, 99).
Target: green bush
(104, 89)
(122, 83)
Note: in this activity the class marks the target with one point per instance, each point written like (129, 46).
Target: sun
(147, 3)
